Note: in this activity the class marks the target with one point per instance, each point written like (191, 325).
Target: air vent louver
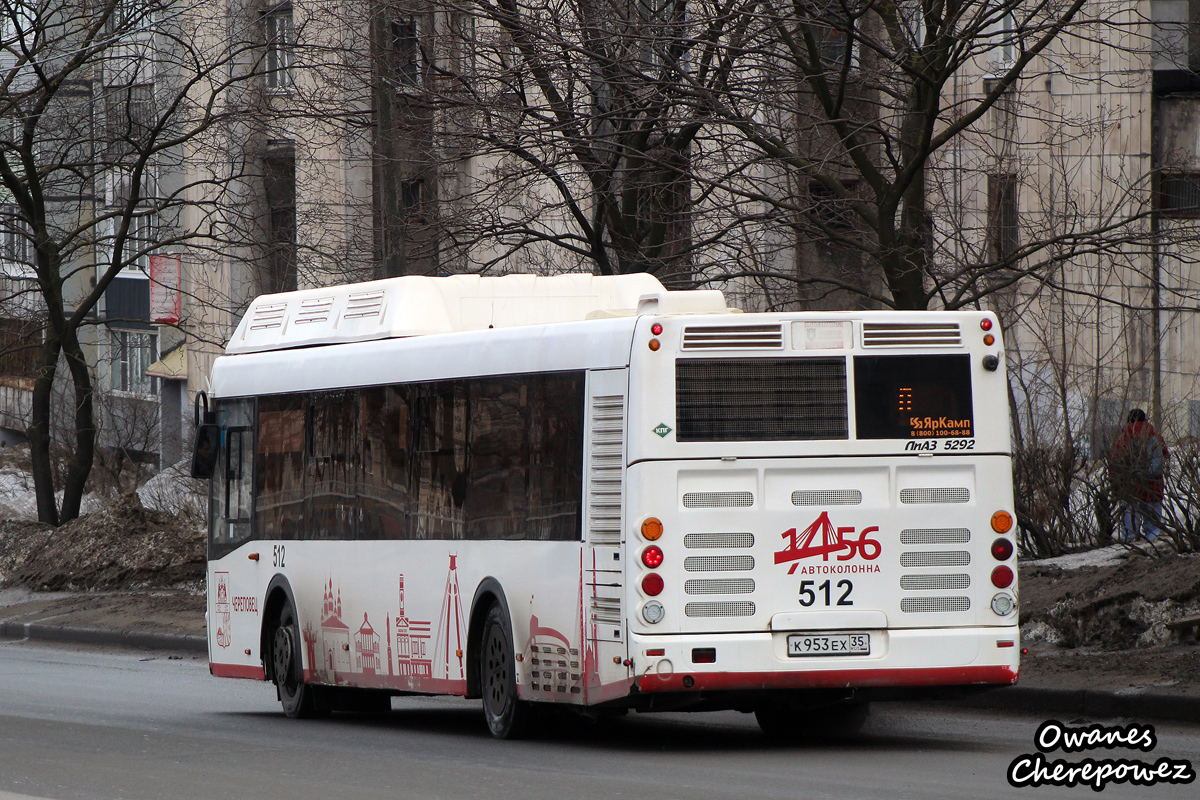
(719, 609)
(268, 316)
(957, 494)
(934, 605)
(718, 499)
(363, 304)
(702, 541)
(729, 337)
(911, 334)
(827, 497)
(314, 310)
(917, 583)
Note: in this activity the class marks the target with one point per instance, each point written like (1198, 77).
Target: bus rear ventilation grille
(935, 495)
(314, 310)
(911, 334)
(718, 563)
(702, 541)
(921, 583)
(720, 609)
(268, 316)
(729, 337)
(935, 536)
(827, 497)
(719, 586)
(934, 605)
(364, 304)
(718, 499)
(943, 558)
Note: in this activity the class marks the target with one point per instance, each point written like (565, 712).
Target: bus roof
(417, 305)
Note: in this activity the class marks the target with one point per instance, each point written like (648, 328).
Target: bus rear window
(913, 397)
(760, 399)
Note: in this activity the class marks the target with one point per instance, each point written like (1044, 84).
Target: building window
(281, 46)
(1179, 194)
(14, 240)
(406, 48)
(132, 354)
(130, 15)
(463, 48)
(412, 200)
(1003, 221)
(279, 179)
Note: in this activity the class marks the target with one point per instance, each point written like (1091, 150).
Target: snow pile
(174, 491)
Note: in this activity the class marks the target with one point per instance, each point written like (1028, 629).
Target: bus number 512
(808, 596)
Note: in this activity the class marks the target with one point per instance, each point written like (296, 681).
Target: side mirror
(208, 440)
(204, 454)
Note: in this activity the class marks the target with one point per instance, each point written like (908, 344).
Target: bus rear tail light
(652, 557)
(1002, 577)
(1002, 549)
(1002, 522)
(704, 655)
(985, 323)
(652, 584)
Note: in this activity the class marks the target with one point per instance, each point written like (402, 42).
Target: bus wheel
(785, 722)
(296, 696)
(505, 714)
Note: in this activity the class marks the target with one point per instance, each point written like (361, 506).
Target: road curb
(135, 639)
(1138, 705)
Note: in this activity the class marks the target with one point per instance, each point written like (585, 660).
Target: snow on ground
(1101, 557)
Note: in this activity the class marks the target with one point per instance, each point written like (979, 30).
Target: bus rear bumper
(759, 661)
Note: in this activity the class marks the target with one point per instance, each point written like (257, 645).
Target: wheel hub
(281, 655)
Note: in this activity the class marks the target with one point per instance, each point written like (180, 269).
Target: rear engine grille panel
(944, 558)
(921, 583)
(827, 497)
(934, 605)
(728, 337)
(718, 563)
(701, 541)
(935, 536)
(760, 400)
(910, 334)
(720, 609)
(719, 586)
(718, 499)
(935, 495)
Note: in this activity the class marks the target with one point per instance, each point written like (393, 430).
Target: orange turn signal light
(1002, 522)
(989, 340)
(652, 529)
(654, 345)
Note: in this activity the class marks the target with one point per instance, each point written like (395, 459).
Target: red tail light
(1002, 577)
(652, 557)
(1002, 549)
(652, 584)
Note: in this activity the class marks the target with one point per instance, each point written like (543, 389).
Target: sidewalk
(1054, 682)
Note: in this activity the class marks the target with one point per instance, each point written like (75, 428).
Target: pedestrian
(1136, 469)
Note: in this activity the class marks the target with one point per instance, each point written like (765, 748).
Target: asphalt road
(90, 723)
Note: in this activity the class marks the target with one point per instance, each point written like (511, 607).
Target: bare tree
(105, 109)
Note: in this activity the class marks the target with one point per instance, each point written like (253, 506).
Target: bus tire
(287, 669)
(785, 722)
(506, 715)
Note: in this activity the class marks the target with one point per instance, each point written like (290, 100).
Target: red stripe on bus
(826, 679)
(237, 671)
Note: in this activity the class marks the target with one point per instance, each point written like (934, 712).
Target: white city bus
(592, 491)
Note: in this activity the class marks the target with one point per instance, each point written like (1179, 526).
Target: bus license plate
(829, 644)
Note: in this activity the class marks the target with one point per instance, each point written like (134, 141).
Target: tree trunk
(80, 465)
(38, 431)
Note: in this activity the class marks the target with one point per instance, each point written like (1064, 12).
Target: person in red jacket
(1136, 469)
